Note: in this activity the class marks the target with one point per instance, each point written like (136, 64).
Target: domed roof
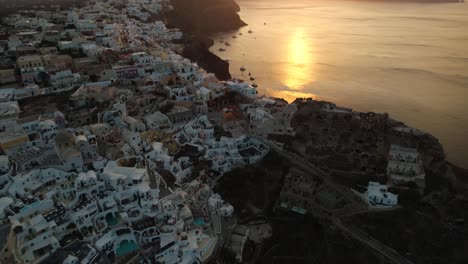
(80, 138)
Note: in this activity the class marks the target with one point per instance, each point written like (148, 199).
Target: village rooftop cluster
(122, 170)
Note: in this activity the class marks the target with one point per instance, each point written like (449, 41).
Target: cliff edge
(205, 17)
(198, 19)
(197, 49)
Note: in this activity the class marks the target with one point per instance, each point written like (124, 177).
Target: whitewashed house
(64, 80)
(377, 195)
(405, 165)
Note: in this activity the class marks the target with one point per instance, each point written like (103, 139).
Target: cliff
(197, 49)
(198, 19)
(336, 143)
(205, 17)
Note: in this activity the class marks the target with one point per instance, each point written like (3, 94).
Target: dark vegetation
(254, 189)
(428, 232)
(305, 240)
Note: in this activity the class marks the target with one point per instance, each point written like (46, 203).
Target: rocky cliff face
(204, 17)
(197, 49)
(199, 19)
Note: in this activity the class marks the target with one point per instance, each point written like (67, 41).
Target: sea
(407, 59)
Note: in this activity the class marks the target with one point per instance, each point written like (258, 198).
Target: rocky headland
(353, 146)
(198, 20)
(205, 17)
(196, 48)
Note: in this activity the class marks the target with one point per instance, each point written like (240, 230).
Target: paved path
(217, 223)
(373, 243)
(307, 167)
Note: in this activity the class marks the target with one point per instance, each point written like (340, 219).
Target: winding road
(387, 252)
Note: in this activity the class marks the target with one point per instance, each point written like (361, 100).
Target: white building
(178, 93)
(378, 196)
(204, 94)
(229, 153)
(405, 165)
(243, 88)
(186, 70)
(199, 128)
(9, 112)
(65, 80)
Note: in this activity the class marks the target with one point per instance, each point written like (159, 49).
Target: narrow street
(373, 243)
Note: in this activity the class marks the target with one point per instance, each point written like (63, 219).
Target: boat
(221, 49)
(250, 31)
(242, 68)
(252, 78)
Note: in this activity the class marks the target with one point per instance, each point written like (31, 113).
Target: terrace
(56, 214)
(144, 224)
(83, 202)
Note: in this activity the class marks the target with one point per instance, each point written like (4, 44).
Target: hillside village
(111, 142)
(110, 139)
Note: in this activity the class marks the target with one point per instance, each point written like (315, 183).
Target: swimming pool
(126, 247)
(199, 222)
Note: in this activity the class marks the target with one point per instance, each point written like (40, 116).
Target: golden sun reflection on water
(298, 70)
